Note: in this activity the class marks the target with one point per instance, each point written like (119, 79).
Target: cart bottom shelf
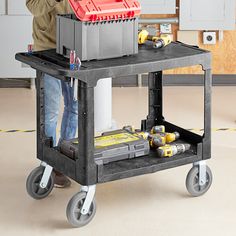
(124, 168)
(143, 165)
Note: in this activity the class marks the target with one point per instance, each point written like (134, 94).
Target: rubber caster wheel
(73, 211)
(192, 182)
(33, 181)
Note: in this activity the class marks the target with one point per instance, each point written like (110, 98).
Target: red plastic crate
(105, 10)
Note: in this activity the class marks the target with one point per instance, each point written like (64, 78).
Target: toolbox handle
(104, 10)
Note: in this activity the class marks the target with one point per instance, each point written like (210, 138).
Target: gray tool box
(111, 146)
(96, 40)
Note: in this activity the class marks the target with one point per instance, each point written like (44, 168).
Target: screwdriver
(77, 67)
(72, 65)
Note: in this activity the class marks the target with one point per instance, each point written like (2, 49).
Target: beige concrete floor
(155, 204)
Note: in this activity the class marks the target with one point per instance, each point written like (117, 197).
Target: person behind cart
(44, 36)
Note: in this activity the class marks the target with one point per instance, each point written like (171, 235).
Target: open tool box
(99, 29)
(83, 168)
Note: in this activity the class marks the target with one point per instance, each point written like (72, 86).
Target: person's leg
(52, 96)
(70, 116)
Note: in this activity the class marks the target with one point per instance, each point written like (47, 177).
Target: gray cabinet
(17, 7)
(158, 6)
(2, 7)
(16, 34)
(207, 14)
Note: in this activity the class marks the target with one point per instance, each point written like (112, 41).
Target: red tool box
(100, 10)
(99, 29)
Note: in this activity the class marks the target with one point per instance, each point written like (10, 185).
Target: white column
(103, 105)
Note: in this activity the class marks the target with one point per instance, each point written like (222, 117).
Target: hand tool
(30, 48)
(173, 149)
(157, 129)
(170, 137)
(72, 65)
(158, 42)
(157, 140)
(77, 67)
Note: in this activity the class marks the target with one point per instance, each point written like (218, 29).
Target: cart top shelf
(148, 59)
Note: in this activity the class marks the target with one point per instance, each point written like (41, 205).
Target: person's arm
(40, 7)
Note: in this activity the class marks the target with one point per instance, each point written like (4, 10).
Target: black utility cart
(83, 169)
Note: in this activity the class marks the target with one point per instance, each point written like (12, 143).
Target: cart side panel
(60, 162)
(40, 114)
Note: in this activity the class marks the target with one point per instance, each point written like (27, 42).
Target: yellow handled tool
(158, 42)
(170, 137)
(171, 150)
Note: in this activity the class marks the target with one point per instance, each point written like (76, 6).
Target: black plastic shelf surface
(144, 165)
(147, 164)
(147, 60)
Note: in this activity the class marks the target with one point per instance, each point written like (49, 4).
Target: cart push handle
(105, 10)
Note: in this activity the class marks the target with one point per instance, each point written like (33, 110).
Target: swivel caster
(197, 184)
(81, 208)
(40, 182)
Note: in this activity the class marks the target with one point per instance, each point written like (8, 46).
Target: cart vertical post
(40, 113)
(207, 114)
(86, 171)
(155, 108)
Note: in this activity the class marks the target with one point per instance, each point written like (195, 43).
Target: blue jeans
(53, 88)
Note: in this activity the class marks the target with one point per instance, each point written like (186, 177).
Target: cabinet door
(17, 7)
(17, 35)
(207, 14)
(2, 7)
(158, 6)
